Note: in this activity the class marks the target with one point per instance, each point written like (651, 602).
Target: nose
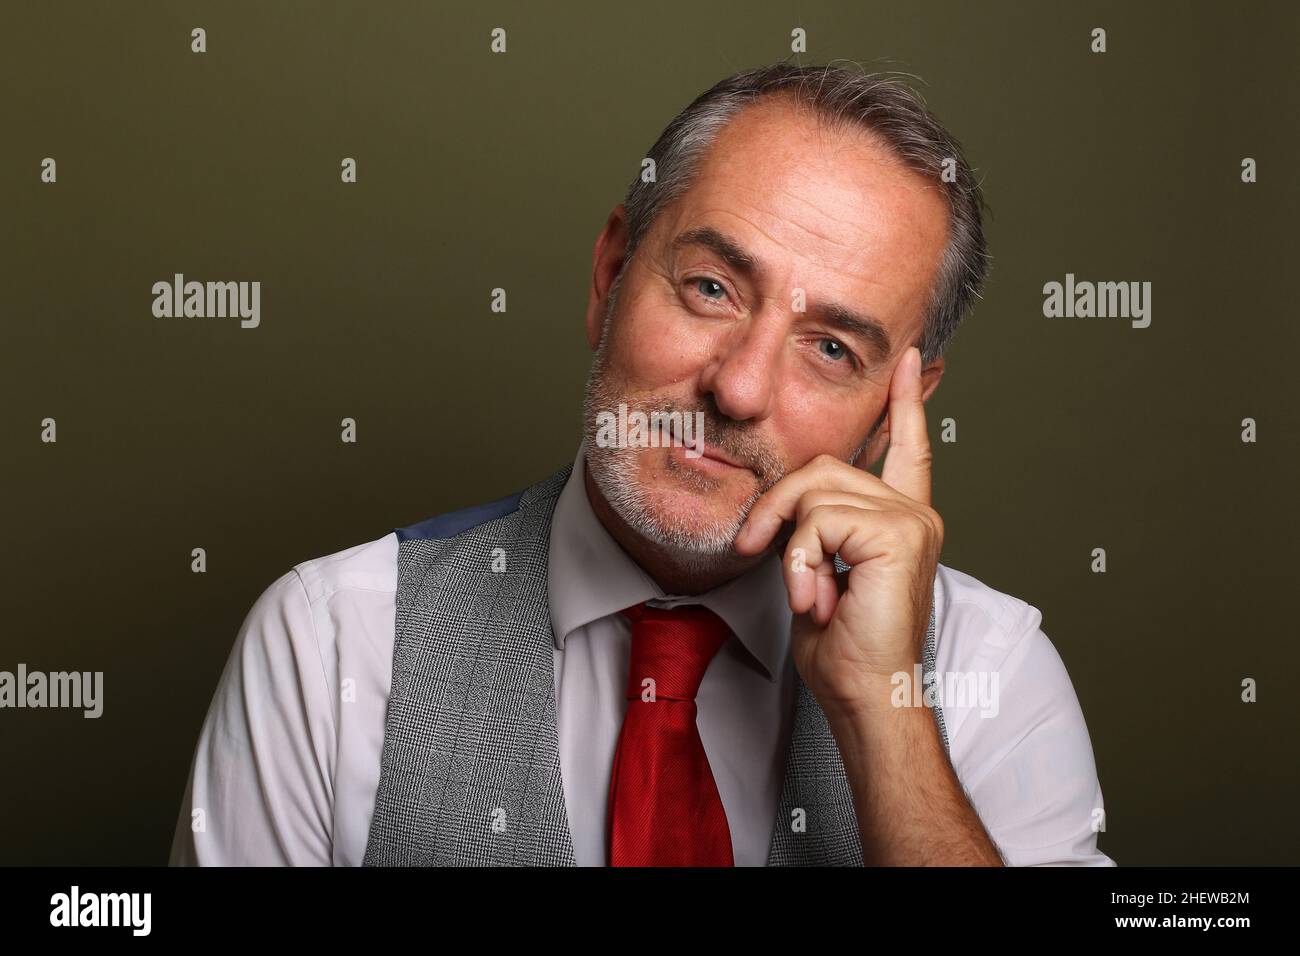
(741, 377)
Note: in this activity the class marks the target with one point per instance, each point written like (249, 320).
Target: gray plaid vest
(471, 762)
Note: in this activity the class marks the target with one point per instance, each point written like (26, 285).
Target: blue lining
(441, 527)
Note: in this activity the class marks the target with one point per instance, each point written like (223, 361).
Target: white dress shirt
(287, 764)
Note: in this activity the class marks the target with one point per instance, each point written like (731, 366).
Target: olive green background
(479, 170)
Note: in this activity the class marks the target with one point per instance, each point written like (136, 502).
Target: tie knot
(672, 647)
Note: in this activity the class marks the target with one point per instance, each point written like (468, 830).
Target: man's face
(776, 296)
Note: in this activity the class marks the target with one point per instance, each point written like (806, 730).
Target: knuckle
(819, 511)
(919, 530)
(806, 503)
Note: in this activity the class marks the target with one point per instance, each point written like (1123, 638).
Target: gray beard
(614, 471)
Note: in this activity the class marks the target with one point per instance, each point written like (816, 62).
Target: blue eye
(703, 281)
(832, 349)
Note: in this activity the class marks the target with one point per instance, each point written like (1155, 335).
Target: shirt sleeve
(259, 791)
(1034, 781)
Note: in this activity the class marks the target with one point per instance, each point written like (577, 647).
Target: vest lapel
(470, 770)
(825, 832)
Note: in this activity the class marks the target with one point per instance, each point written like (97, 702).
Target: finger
(907, 463)
(810, 553)
(799, 569)
(819, 496)
(826, 590)
(828, 593)
(780, 503)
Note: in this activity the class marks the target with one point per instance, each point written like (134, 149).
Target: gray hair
(880, 103)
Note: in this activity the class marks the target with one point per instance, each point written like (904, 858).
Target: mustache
(737, 440)
(740, 441)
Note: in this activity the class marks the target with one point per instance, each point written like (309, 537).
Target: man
(739, 650)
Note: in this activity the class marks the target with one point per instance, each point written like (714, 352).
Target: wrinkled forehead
(816, 201)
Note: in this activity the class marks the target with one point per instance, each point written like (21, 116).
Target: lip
(709, 465)
(707, 451)
(710, 462)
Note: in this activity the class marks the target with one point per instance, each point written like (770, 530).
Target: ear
(606, 261)
(930, 376)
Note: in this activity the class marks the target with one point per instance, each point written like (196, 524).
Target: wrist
(874, 697)
(877, 719)
(874, 713)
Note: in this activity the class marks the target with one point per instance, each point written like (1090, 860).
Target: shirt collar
(590, 576)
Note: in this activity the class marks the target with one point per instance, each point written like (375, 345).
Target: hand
(852, 632)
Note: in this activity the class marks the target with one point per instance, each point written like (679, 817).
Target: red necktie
(664, 807)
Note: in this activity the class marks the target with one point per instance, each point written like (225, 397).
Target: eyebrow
(863, 327)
